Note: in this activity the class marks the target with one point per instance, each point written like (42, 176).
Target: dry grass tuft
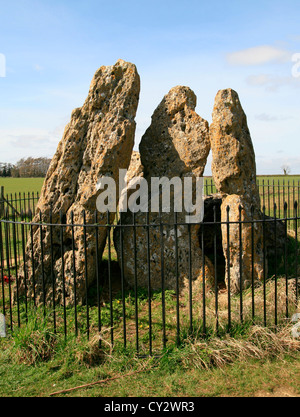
(261, 343)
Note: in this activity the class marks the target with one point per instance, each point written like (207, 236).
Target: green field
(17, 185)
(273, 189)
(21, 185)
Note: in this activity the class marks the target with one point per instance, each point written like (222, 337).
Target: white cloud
(271, 82)
(38, 68)
(258, 55)
(273, 165)
(21, 143)
(260, 79)
(264, 117)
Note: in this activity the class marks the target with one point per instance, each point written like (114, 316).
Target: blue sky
(53, 48)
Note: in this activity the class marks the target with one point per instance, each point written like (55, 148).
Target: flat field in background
(16, 185)
(21, 185)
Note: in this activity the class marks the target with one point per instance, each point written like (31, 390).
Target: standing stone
(97, 142)
(175, 145)
(234, 174)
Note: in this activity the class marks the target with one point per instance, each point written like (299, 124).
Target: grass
(125, 321)
(249, 359)
(257, 363)
(16, 185)
(23, 185)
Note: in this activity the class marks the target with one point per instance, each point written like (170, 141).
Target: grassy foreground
(250, 361)
(259, 363)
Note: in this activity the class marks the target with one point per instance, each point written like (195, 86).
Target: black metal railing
(142, 316)
(271, 192)
(17, 202)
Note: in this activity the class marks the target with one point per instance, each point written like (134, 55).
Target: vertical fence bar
(33, 205)
(97, 273)
(215, 265)
(74, 274)
(42, 262)
(135, 285)
(122, 281)
(273, 192)
(283, 199)
(2, 268)
(163, 302)
(17, 227)
(298, 198)
(190, 280)
(288, 198)
(2, 201)
(263, 189)
(177, 281)
(252, 263)
(278, 199)
(62, 254)
(20, 203)
(52, 270)
(7, 243)
(32, 261)
(275, 272)
(109, 279)
(228, 267)
(264, 265)
(269, 205)
(286, 263)
(86, 275)
(24, 264)
(296, 249)
(16, 265)
(26, 215)
(241, 263)
(149, 283)
(294, 198)
(28, 199)
(203, 282)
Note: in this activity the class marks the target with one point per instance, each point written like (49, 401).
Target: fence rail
(140, 316)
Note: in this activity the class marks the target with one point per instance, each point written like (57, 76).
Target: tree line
(29, 167)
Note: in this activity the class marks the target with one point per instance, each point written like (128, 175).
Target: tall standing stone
(234, 174)
(96, 143)
(175, 145)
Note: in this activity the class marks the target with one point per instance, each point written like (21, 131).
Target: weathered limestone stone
(233, 163)
(211, 234)
(134, 172)
(234, 174)
(175, 145)
(97, 142)
(135, 168)
(241, 272)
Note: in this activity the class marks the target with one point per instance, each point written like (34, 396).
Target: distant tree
(31, 167)
(286, 169)
(6, 169)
